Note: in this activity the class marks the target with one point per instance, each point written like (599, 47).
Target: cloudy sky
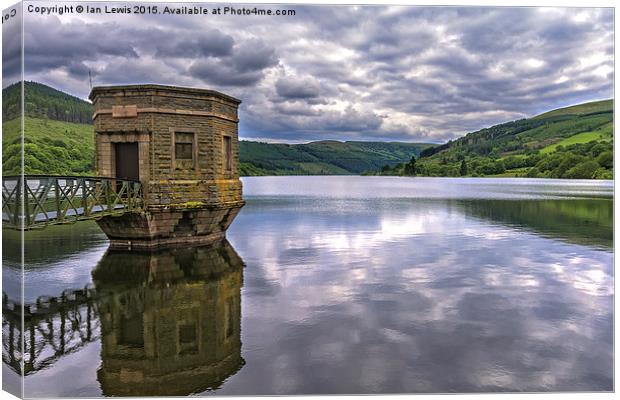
(343, 72)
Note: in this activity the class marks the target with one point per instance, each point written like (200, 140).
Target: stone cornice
(147, 89)
(157, 110)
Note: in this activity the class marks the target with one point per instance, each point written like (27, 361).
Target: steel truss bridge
(36, 201)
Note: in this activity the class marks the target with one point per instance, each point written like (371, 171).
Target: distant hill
(591, 108)
(533, 133)
(42, 101)
(570, 142)
(59, 137)
(323, 157)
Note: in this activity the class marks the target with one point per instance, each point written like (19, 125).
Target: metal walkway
(36, 201)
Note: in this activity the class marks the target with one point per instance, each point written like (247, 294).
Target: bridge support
(182, 145)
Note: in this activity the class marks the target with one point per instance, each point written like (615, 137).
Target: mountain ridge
(570, 142)
(43, 101)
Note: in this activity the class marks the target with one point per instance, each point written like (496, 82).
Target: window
(188, 339)
(132, 331)
(230, 322)
(184, 146)
(227, 153)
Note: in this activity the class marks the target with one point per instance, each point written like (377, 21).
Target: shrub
(584, 170)
(533, 173)
(605, 159)
(603, 173)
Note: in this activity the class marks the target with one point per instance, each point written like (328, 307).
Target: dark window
(132, 331)
(227, 153)
(230, 321)
(188, 340)
(184, 146)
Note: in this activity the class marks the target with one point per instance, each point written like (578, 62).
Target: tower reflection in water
(170, 320)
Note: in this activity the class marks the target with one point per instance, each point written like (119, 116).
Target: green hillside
(324, 157)
(50, 147)
(42, 101)
(593, 107)
(571, 142)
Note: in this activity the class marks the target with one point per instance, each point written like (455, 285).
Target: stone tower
(182, 145)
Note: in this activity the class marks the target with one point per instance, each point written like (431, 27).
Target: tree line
(593, 160)
(42, 101)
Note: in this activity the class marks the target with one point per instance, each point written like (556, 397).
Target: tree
(606, 159)
(410, 167)
(584, 170)
(603, 173)
(598, 148)
(463, 168)
(533, 173)
(568, 161)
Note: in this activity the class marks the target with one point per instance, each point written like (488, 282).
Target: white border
(491, 3)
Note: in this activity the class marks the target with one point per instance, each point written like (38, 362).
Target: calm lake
(334, 285)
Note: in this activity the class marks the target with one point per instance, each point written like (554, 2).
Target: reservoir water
(332, 285)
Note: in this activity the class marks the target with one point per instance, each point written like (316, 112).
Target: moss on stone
(190, 204)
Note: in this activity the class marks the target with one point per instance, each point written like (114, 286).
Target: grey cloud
(296, 109)
(352, 120)
(135, 71)
(297, 88)
(253, 55)
(223, 73)
(11, 51)
(63, 43)
(324, 124)
(78, 68)
(213, 43)
(491, 32)
(244, 67)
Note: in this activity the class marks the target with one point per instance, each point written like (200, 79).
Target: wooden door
(127, 166)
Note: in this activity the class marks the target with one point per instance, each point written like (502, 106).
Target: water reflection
(353, 291)
(170, 322)
(398, 295)
(580, 221)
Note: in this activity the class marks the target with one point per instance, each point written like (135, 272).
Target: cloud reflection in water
(397, 295)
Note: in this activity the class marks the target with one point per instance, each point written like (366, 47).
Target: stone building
(182, 145)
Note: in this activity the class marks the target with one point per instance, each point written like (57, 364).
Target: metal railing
(35, 201)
